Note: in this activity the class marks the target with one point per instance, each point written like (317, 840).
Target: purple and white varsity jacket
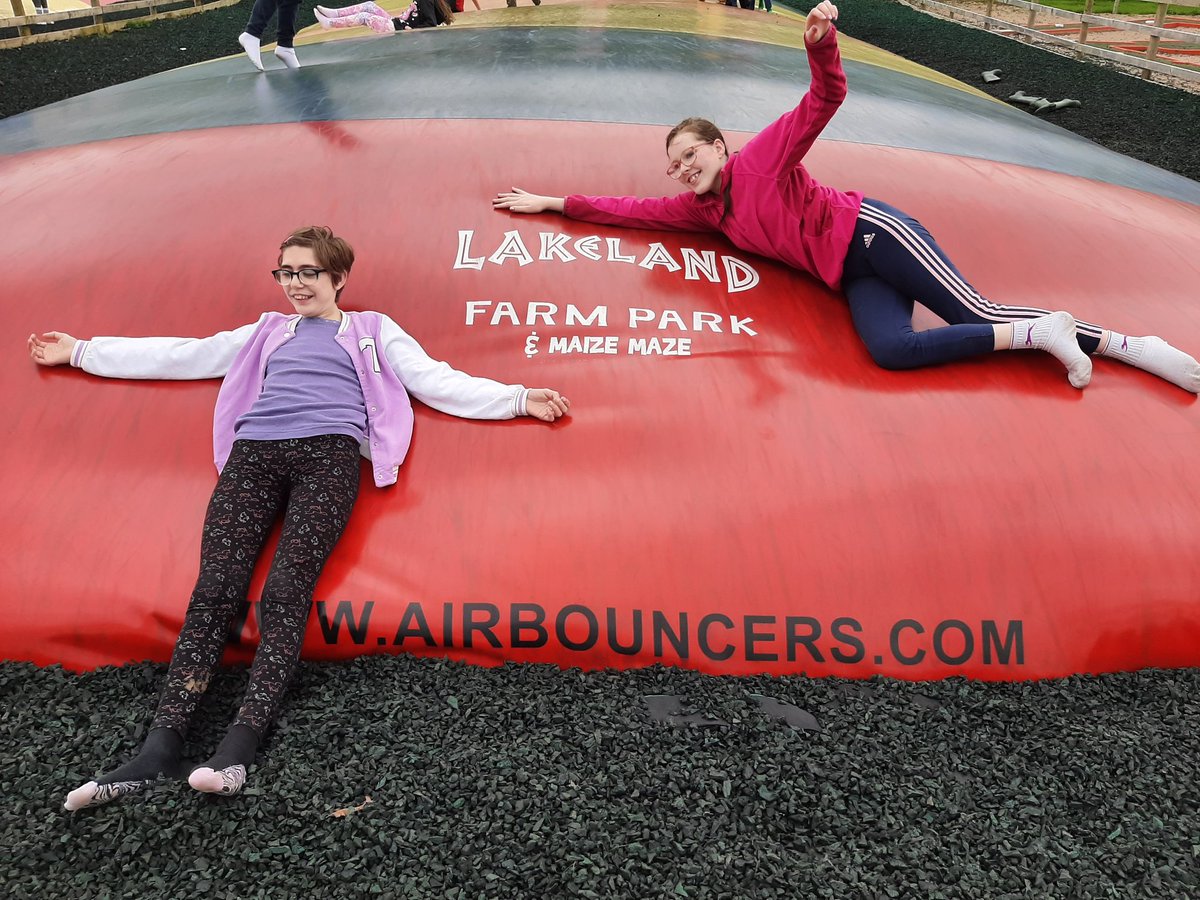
(390, 364)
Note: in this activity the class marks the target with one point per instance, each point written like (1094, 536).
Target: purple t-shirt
(310, 388)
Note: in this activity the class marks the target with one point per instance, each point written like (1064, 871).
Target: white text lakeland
(696, 265)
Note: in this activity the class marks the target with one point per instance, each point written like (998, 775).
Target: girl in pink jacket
(303, 396)
(765, 201)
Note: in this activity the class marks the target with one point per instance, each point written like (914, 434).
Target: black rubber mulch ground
(527, 781)
(1143, 120)
(1132, 116)
(38, 74)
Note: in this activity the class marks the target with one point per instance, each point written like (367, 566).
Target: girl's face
(317, 299)
(696, 163)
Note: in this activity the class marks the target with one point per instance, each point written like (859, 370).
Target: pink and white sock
(1054, 333)
(1154, 355)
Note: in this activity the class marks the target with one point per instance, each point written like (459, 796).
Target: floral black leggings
(313, 482)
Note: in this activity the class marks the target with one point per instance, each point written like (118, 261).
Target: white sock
(323, 19)
(1154, 355)
(227, 781)
(251, 45)
(287, 55)
(1054, 333)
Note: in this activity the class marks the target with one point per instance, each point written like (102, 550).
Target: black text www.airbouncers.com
(654, 634)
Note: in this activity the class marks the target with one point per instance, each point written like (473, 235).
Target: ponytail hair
(702, 128)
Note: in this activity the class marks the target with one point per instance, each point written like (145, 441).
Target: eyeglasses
(306, 276)
(686, 158)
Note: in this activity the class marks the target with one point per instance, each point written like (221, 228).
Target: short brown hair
(332, 252)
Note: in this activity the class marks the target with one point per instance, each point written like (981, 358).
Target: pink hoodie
(778, 209)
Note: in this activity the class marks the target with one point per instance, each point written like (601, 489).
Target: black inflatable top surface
(575, 74)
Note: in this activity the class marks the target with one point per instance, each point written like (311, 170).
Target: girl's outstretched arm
(674, 213)
(437, 384)
(170, 358)
(521, 201)
(53, 348)
(781, 146)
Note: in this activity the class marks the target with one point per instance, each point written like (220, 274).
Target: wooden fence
(1146, 62)
(96, 19)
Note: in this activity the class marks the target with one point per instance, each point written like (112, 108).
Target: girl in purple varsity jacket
(765, 201)
(303, 396)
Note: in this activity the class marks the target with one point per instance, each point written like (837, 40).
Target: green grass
(1124, 8)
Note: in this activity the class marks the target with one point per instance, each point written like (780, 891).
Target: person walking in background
(260, 17)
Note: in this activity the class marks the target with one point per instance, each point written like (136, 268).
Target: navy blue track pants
(260, 17)
(892, 263)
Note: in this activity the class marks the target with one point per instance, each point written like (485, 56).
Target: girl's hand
(820, 17)
(521, 201)
(545, 404)
(52, 348)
